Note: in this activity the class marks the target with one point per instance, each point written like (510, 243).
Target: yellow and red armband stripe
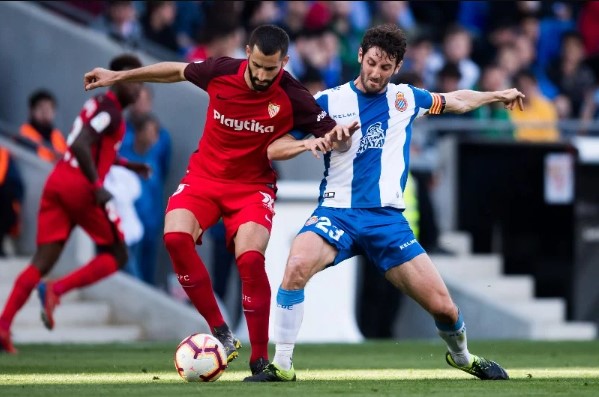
(438, 105)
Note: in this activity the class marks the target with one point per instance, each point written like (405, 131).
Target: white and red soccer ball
(200, 358)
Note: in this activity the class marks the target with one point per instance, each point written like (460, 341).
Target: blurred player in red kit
(253, 102)
(74, 195)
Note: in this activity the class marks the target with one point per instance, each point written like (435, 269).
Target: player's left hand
(141, 169)
(511, 98)
(342, 133)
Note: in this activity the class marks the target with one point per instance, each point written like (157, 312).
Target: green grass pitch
(377, 368)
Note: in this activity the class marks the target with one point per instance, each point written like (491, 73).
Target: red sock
(193, 276)
(24, 284)
(98, 268)
(255, 298)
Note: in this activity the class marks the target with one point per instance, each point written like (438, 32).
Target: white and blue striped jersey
(374, 171)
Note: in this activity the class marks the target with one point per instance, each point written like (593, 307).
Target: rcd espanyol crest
(401, 104)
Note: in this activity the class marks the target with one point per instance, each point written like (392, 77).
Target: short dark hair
(525, 74)
(124, 62)
(450, 69)
(41, 95)
(389, 38)
(270, 39)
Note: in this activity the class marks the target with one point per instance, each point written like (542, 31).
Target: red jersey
(241, 122)
(103, 115)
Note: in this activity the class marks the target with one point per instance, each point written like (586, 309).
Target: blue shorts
(382, 235)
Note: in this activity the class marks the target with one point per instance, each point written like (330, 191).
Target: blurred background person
(11, 198)
(572, 78)
(189, 19)
(119, 22)
(493, 78)
(539, 122)
(125, 187)
(217, 41)
(150, 145)
(158, 24)
(456, 49)
(39, 133)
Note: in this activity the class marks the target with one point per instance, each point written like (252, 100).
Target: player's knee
(176, 242)
(443, 309)
(118, 251)
(297, 272)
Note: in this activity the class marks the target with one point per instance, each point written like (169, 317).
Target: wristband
(98, 184)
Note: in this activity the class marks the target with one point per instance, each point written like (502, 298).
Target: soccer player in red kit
(74, 195)
(253, 101)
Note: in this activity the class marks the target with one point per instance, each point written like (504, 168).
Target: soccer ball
(200, 358)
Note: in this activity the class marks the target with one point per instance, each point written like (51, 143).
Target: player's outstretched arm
(463, 101)
(162, 72)
(287, 147)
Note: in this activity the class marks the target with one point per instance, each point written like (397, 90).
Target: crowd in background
(548, 49)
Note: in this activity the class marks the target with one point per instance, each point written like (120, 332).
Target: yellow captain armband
(438, 105)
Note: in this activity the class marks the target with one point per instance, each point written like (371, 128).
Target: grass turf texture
(409, 368)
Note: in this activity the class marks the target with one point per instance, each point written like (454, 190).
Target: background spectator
(571, 76)
(126, 189)
(189, 19)
(456, 48)
(11, 197)
(218, 41)
(39, 133)
(493, 78)
(538, 122)
(158, 24)
(120, 22)
(148, 142)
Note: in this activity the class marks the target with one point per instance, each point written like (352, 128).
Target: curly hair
(389, 38)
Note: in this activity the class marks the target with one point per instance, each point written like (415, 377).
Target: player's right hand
(98, 77)
(317, 144)
(102, 196)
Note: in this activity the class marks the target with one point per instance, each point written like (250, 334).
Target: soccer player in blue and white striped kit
(361, 199)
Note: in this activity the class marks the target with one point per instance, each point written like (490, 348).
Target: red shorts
(67, 201)
(236, 203)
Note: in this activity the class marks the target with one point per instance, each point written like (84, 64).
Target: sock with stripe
(454, 336)
(289, 314)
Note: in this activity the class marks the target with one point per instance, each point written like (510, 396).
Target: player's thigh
(249, 211)
(101, 223)
(419, 279)
(183, 221)
(251, 236)
(334, 229)
(386, 237)
(54, 223)
(190, 209)
(309, 254)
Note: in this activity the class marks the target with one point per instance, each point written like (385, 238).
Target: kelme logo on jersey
(243, 125)
(401, 103)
